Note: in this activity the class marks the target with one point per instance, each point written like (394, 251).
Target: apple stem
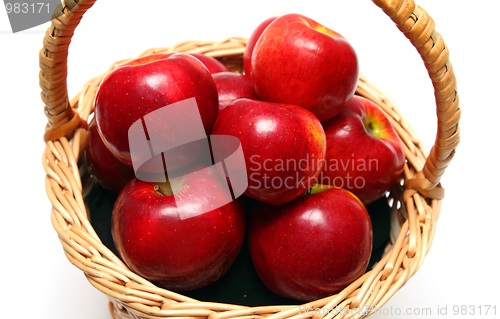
(370, 128)
(166, 191)
(159, 190)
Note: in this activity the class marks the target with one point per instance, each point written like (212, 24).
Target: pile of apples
(301, 143)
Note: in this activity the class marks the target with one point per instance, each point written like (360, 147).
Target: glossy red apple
(247, 55)
(232, 86)
(176, 100)
(283, 146)
(108, 171)
(311, 247)
(299, 61)
(364, 152)
(180, 236)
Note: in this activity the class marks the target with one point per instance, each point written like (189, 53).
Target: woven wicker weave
(414, 222)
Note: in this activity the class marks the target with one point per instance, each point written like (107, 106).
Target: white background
(461, 267)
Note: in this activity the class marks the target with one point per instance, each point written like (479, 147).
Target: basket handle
(412, 20)
(419, 28)
(53, 56)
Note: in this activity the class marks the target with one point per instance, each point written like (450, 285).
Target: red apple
(311, 247)
(165, 102)
(232, 86)
(247, 55)
(283, 146)
(364, 152)
(299, 61)
(109, 172)
(180, 236)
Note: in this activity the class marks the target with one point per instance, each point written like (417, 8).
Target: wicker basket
(415, 205)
